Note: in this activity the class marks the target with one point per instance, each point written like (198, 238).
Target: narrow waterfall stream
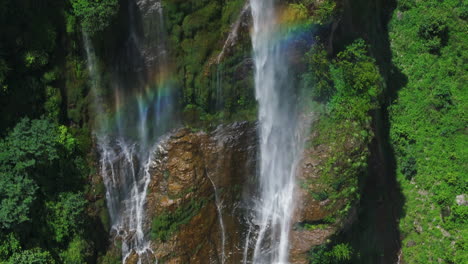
(279, 143)
(219, 208)
(129, 122)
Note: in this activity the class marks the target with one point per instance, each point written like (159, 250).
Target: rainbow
(140, 111)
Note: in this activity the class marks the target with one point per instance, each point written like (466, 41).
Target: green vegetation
(45, 140)
(364, 77)
(326, 254)
(349, 86)
(30, 146)
(66, 215)
(427, 122)
(324, 12)
(95, 15)
(35, 206)
(78, 251)
(317, 12)
(428, 128)
(31, 256)
(197, 31)
(165, 224)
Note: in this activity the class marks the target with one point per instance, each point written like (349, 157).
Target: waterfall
(279, 142)
(129, 122)
(126, 180)
(219, 208)
(228, 43)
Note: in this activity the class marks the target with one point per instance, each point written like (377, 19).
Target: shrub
(95, 15)
(318, 76)
(434, 31)
(408, 167)
(77, 252)
(66, 215)
(324, 12)
(337, 254)
(36, 256)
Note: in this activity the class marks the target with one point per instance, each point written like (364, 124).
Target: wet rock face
(184, 170)
(309, 210)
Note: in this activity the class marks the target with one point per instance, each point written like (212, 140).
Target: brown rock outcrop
(186, 168)
(309, 210)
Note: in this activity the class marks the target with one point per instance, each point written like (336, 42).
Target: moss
(103, 213)
(166, 174)
(165, 224)
(346, 161)
(197, 30)
(76, 90)
(315, 226)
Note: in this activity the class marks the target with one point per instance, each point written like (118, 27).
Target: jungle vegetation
(394, 81)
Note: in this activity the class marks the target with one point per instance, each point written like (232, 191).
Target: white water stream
(129, 122)
(219, 208)
(279, 139)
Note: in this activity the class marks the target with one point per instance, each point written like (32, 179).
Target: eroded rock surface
(185, 170)
(183, 173)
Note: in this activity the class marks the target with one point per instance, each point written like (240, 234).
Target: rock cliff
(188, 171)
(188, 168)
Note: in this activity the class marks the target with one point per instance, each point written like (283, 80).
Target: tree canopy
(95, 15)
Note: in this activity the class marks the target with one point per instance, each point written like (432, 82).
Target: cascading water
(230, 41)
(219, 208)
(279, 142)
(130, 121)
(126, 179)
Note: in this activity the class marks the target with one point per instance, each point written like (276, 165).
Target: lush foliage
(28, 41)
(95, 15)
(31, 256)
(349, 85)
(326, 254)
(428, 128)
(212, 90)
(78, 251)
(47, 196)
(39, 173)
(28, 147)
(325, 11)
(44, 162)
(65, 215)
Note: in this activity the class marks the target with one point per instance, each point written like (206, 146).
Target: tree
(95, 15)
(36, 256)
(77, 252)
(30, 145)
(66, 215)
(17, 192)
(318, 75)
